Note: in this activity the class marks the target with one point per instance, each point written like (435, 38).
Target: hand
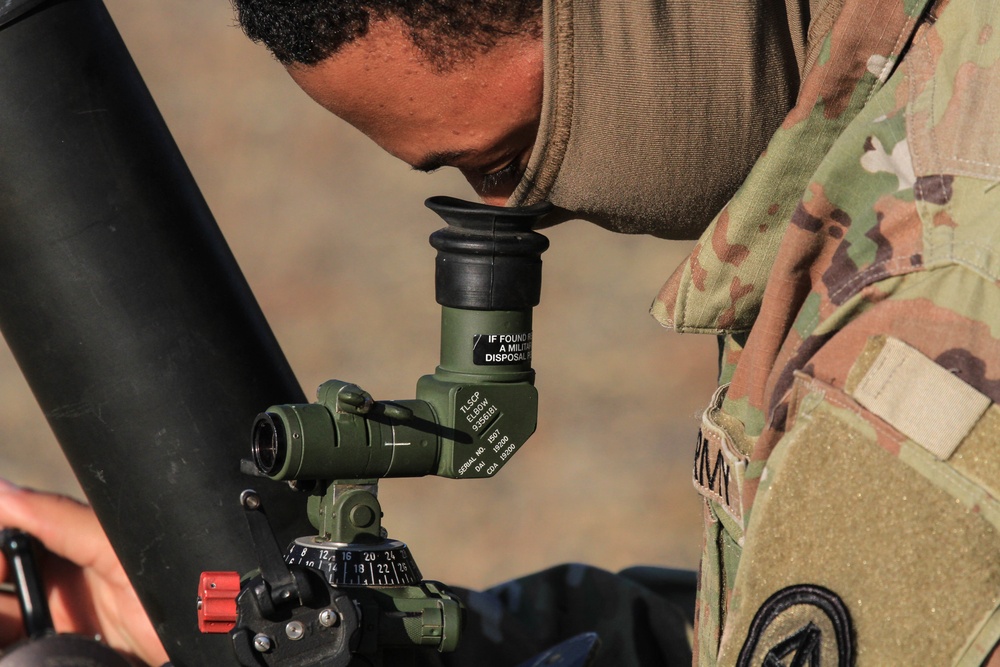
(88, 591)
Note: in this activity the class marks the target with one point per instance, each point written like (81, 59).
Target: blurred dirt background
(332, 236)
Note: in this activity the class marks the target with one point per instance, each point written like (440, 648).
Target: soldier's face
(480, 116)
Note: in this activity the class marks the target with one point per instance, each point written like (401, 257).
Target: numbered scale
(378, 565)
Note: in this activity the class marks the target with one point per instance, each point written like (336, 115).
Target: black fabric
(519, 620)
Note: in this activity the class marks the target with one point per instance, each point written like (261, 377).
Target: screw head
(295, 630)
(250, 500)
(262, 643)
(329, 618)
(362, 516)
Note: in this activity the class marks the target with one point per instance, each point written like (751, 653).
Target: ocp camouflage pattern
(855, 279)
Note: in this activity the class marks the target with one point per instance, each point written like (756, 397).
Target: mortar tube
(128, 315)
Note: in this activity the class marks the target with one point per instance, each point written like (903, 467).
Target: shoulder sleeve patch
(804, 625)
(917, 397)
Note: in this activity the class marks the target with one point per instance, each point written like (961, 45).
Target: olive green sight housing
(478, 407)
(468, 419)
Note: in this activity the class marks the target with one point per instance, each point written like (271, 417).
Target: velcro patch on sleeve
(919, 398)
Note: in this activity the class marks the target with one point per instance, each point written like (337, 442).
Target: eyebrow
(433, 161)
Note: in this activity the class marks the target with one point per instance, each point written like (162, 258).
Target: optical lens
(268, 443)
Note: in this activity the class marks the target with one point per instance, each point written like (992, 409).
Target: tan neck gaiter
(655, 110)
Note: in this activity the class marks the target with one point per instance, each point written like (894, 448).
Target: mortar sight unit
(348, 594)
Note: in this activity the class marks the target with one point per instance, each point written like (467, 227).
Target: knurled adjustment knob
(217, 593)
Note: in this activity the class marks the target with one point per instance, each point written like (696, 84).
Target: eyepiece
(268, 443)
(488, 257)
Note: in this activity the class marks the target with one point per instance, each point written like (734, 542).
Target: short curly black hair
(305, 32)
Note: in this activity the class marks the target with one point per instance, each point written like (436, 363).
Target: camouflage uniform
(850, 462)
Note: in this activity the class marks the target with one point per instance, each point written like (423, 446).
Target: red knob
(217, 592)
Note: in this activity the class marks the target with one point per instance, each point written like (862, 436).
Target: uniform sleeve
(874, 535)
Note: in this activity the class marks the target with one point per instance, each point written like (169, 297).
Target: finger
(11, 627)
(88, 589)
(66, 527)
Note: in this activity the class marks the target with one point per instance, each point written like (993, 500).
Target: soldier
(850, 459)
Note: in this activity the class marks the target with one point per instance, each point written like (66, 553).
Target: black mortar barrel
(128, 314)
